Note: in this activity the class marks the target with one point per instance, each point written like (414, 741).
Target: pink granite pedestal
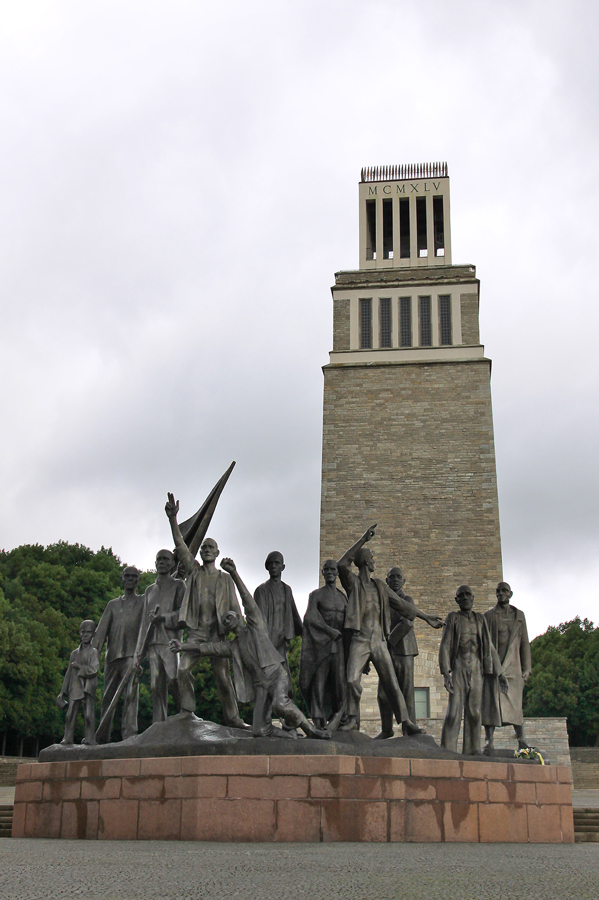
(294, 798)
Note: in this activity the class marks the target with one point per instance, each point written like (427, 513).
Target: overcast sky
(179, 185)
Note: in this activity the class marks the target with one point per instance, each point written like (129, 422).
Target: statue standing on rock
(510, 637)
(322, 664)
(119, 629)
(368, 618)
(80, 685)
(259, 670)
(209, 597)
(465, 655)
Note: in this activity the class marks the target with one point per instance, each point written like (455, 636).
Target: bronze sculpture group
(484, 659)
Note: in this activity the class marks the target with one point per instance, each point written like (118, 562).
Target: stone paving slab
(160, 870)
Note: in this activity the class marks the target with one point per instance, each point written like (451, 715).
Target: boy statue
(79, 686)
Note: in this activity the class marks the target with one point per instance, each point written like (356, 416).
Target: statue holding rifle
(119, 629)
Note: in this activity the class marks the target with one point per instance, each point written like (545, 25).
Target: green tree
(565, 679)
(46, 592)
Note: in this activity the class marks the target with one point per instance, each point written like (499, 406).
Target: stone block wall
(341, 319)
(411, 447)
(469, 308)
(294, 798)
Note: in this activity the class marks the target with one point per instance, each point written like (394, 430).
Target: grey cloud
(179, 186)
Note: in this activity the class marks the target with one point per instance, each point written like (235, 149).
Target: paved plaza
(107, 870)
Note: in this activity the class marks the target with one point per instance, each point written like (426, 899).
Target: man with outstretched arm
(258, 669)
(368, 617)
(402, 649)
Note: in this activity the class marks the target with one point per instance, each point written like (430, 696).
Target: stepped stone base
(586, 825)
(585, 767)
(294, 798)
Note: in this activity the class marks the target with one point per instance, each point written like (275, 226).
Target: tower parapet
(404, 216)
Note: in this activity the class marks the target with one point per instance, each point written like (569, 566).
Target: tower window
(425, 322)
(405, 321)
(371, 229)
(385, 320)
(445, 319)
(387, 229)
(422, 702)
(404, 229)
(421, 226)
(365, 324)
(438, 226)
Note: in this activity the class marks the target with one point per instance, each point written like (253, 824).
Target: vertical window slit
(404, 229)
(405, 321)
(365, 324)
(425, 322)
(445, 319)
(371, 229)
(421, 226)
(387, 229)
(385, 322)
(438, 226)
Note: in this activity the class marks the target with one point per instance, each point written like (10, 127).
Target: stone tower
(407, 424)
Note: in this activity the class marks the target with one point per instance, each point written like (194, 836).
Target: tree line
(565, 679)
(45, 593)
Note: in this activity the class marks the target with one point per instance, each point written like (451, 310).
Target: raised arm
(250, 607)
(348, 557)
(411, 611)
(183, 553)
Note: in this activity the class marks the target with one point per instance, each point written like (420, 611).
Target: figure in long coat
(510, 637)
(275, 602)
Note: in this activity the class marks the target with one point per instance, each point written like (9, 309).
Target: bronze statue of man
(403, 648)
(322, 663)
(258, 668)
(368, 617)
(209, 596)
(167, 594)
(465, 655)
(510, 637)
(275, 602)
(119, 629)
